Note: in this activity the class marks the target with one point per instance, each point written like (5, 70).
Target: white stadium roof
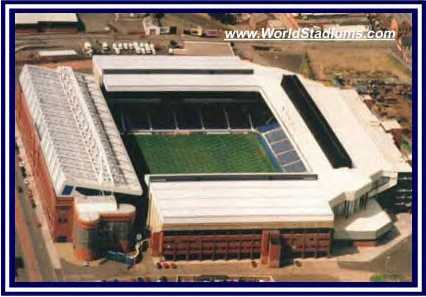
(105, 62)
(79, 138)
(239, 204)
(375, 160)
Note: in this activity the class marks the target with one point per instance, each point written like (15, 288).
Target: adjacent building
(46, 22)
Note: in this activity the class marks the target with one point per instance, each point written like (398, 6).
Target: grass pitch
(200, 153)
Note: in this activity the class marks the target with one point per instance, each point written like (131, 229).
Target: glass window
(67, 190)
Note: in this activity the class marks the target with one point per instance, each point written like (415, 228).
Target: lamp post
(387, 260)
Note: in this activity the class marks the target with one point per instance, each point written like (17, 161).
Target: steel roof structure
(79, 138)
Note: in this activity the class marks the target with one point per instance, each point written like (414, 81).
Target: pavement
(318, 270)
(392, 257)
(21, 273)
(399, 234)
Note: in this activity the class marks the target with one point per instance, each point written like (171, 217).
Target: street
(34, 252)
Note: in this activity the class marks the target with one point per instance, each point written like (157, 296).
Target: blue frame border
(11, 170)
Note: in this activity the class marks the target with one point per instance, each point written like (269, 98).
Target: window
(91, 192)
(67, 190)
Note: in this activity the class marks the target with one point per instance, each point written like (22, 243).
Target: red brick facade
(57, 209)
(271, 246)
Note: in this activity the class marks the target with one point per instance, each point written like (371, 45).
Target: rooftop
(243, 204)
(106, 62)
(34, 18)
(54, 53)
(79, 138)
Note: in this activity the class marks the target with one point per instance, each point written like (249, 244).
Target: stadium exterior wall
(272, 247)
(60, 211)
(38, 166)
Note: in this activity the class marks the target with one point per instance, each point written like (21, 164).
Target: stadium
(236, 160)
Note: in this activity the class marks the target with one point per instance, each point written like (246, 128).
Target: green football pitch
(200, 153)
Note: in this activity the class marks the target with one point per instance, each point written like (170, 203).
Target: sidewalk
(53, 255)
(24, 237)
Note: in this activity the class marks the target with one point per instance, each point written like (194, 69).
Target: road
(34, 252)
(397, 261)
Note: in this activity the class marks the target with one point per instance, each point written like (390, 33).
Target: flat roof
(34, 18)
(54, 53)
(368, 224)
(238, 204)
(80, 141)
(106, 62)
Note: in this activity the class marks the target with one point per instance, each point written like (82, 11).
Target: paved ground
(394, 256)
(314, 270)
(21, 271)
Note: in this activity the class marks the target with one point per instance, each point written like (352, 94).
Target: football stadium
(209, 157)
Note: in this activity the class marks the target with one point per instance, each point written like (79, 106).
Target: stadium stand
(162, 117)
(137, 118)
(214, 116)
(238, 116)
(282, 149)
(192, 114)
(316, 122)
(188, 116)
